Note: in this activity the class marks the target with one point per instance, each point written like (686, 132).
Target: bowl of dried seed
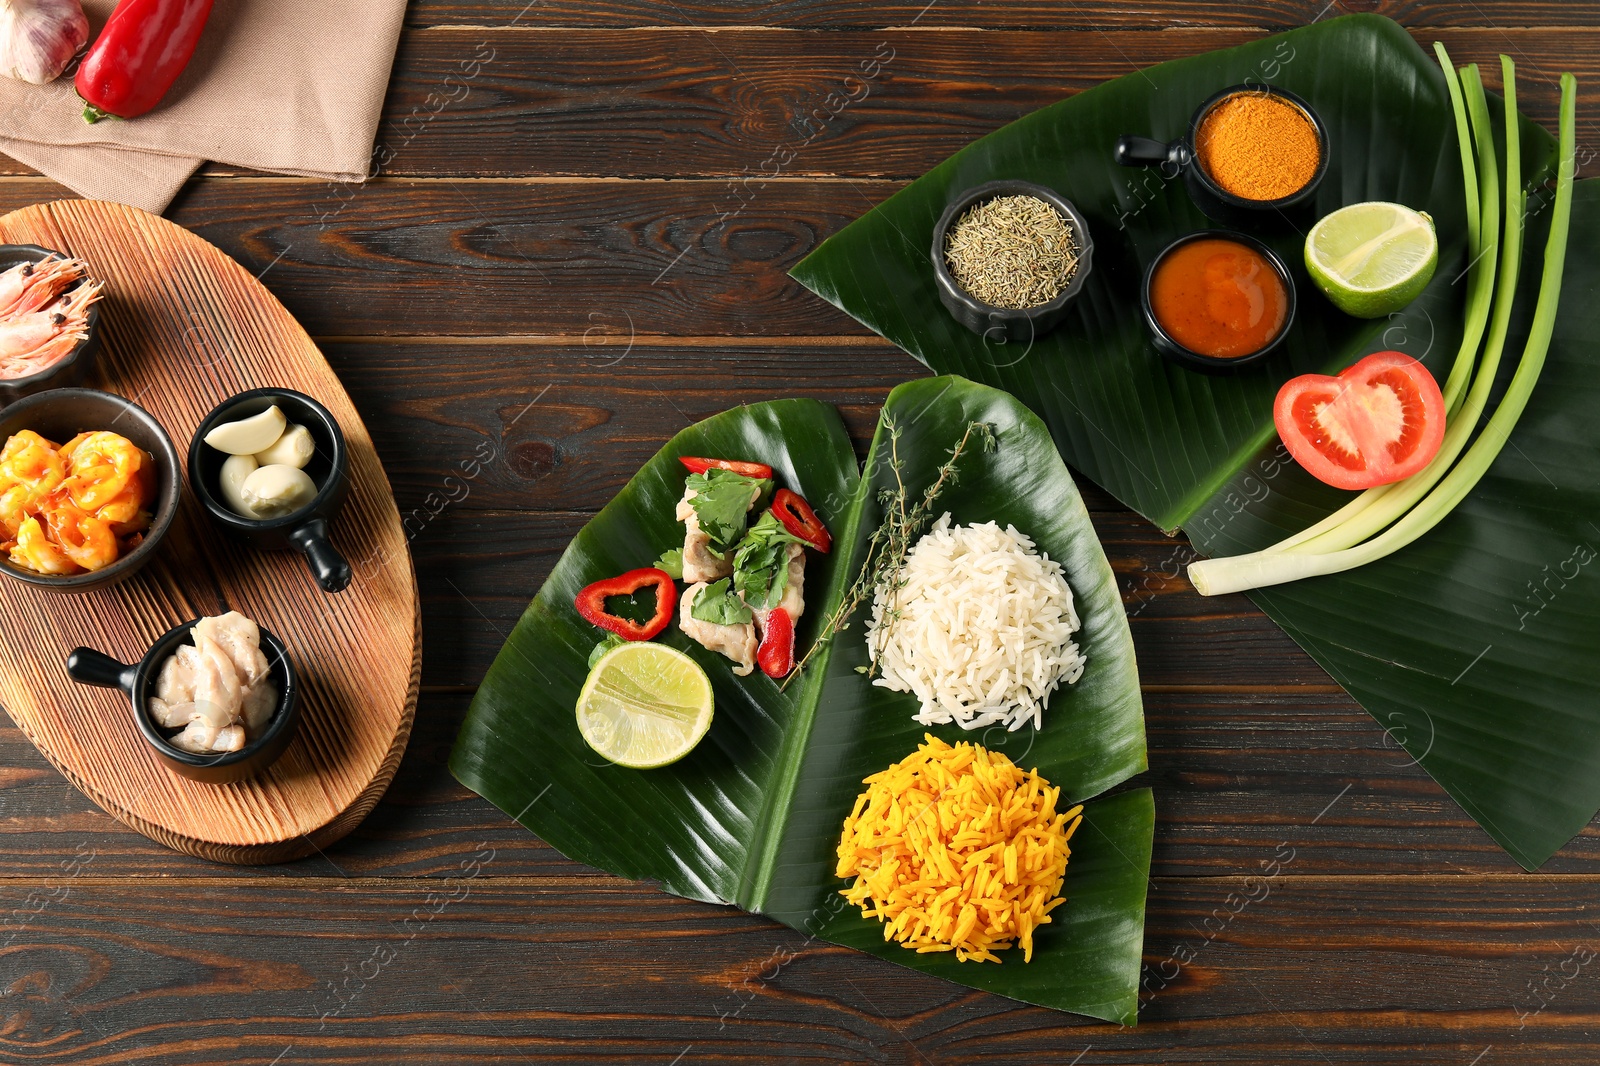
(1009, 257)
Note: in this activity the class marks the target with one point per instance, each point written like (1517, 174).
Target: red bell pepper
(144, 47)
(800, 520)
(591, 602)
(698, 465)
(775, 656)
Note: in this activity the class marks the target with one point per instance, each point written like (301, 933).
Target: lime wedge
(1372, 259)
(644, 705)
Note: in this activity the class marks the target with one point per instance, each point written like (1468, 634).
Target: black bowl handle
(327, 565)
(1135, 151)
(91, 667)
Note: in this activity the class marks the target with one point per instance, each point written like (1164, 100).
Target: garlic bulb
(38, 38)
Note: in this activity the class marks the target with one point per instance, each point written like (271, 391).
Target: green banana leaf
(1474, 648)
(752, 816)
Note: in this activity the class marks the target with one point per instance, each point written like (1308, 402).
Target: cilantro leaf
(761, 563)
(671, 562)
(721, 502)
(718, 605)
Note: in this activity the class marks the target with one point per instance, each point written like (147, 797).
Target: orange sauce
(1219, 298)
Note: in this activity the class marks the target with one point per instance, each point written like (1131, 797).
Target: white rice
(985, 628)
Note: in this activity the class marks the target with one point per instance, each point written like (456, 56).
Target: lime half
(644, 705)
(1372, 259)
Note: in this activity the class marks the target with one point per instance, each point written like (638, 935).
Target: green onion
(1480, 263)
(1483, 223)
(1403, 495)
(1215, 576)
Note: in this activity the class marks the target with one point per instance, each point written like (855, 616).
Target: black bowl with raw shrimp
(65, 371)
(61, 414)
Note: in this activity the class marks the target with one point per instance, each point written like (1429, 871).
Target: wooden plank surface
(557, 236)
(729, 99)
(988, 14)
(474, 967)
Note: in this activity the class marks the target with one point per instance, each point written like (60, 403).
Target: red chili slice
(775, 656)
(1380, 421)
(591, 602)
(698, 465)
(800, 520)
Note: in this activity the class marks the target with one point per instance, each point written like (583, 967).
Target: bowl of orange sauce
(1217, 300)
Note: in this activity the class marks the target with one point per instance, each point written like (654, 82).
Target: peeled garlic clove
(295, 448)
(38, 38)
(277, 490)
(248, 435)
(235, 469)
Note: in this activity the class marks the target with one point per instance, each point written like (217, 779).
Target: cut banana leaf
(1474, 646)
(752, 816)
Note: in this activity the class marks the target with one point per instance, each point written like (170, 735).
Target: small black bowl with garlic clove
(270, 466)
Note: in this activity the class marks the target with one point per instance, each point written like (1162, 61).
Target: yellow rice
(955, 848)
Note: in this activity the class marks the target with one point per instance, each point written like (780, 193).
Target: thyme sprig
(891, 542)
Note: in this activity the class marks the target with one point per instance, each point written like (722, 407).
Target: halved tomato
(1380, 421)
(698, 465)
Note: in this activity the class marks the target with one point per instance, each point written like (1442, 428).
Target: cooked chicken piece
(219, 682)
(794, 599)
(215, 690)
(176, 685)
(260, 700)
(203, 738)
(700, 563)
(241, 639)
(737, 642)
(177, 715)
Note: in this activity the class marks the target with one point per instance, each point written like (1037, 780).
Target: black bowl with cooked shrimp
(59, 416)
(36, 351)
(90, 667)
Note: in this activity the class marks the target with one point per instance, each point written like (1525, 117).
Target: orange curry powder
(1258, 147)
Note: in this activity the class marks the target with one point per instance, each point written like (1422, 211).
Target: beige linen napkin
(289, 86)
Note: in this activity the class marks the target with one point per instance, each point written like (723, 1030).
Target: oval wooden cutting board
(184, 327)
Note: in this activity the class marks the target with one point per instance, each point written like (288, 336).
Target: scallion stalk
(1479, 264)
(1215, 576)
(1483, 215)
(1403, 495)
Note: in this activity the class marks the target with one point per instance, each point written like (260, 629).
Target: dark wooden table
(557, 221)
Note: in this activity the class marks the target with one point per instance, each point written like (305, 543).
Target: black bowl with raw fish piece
(49, 318)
